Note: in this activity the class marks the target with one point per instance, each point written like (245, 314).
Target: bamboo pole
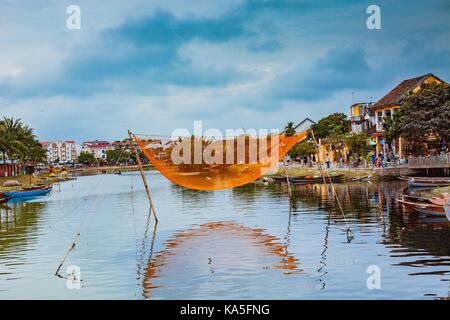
(287, 178)
(319, 160)
(141, 169)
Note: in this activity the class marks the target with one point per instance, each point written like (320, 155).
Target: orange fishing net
(206, 164)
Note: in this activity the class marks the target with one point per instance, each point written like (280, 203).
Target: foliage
(426, 114)
(391, 126)
(423, 116)
(289, 130)
(112, 156)
(358, 144)
(303, 148)
(336, 124)
(86, 158)
(18, 142)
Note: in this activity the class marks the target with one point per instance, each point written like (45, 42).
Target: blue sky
(154, 66)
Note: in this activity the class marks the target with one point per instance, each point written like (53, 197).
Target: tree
(303, 148)
(336, 124)
(9, 138)
(358, 144)
(289, 130)
(391, 126)
(86, 158)
(112, 156)
(426, 115)
(17, 141)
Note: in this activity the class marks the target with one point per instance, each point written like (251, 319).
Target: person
(374, 159)
(327, 160)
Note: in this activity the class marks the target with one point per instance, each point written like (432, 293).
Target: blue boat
(32, 192)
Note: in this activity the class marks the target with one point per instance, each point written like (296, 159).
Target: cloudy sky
(157, 65)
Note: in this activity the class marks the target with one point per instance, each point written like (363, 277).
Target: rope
(350, 236)
(83, 224)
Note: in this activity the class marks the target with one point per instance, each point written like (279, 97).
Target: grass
(314, 171)
(25, 181)
(436, 192)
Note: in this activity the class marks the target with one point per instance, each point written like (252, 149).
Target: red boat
(3, 198)
(424, 207)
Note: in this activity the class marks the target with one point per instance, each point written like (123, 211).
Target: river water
(245, 243)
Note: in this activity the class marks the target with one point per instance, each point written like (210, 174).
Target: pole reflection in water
(192, 256)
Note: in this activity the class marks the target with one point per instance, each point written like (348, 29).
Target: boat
(447, 210)
(4, 198)
(424, 207)
(414, 182)
(316, 179)
(28, 192)
(307, 178)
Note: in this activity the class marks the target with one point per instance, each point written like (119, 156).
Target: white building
(60, 151)
(96, 147)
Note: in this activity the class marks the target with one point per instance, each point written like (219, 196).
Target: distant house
(60, 151)
(97, 147)
(360, 118)
(303, 125)
(391, 102)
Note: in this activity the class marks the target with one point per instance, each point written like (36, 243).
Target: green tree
(426, 115)
(18, 142)
(289, 130)
(86, 158)
(336, 124)
(303, 148)
(391, 126)
(358, 144)
(112, 156)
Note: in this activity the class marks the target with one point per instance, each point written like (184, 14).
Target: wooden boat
(447, 210)
(427, 182)
(316, 179)
(438, 201)
(3, 198)
(28, 192)
(424, 207)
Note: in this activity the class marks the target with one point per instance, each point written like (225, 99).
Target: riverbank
(349, 173)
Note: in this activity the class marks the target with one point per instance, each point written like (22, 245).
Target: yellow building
(387, 105)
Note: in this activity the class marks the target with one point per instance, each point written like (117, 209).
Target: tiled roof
(396, 95)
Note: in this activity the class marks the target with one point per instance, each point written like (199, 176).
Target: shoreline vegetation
(349, 173)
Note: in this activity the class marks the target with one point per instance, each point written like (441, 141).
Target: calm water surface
(248, 242)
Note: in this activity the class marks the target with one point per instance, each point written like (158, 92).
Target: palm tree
(289, 130)
(9, 137)
(17, 141)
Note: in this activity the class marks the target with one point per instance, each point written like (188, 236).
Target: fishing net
(203, 163)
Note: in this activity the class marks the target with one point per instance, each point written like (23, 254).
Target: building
(391, 102)
(97, 147)
(60, 151)
(360, 118)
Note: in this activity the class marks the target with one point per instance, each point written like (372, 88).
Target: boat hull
(4, 199)
(27, 193)
(305, 180)
(447, 210)
(424, 208)
(415, 182)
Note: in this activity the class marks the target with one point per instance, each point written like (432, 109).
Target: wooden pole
(287, 178)
(141, 169)
(318, 157)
